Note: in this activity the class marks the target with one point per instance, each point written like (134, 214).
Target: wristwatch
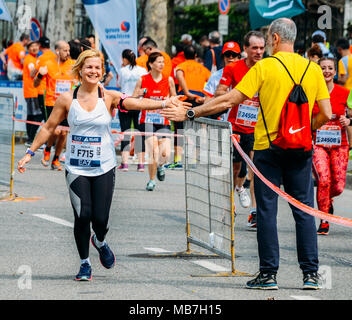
(190, 114)
(28, 151)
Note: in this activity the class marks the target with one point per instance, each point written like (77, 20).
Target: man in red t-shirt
(244, 116)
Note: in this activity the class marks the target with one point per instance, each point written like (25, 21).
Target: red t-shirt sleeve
(227, 76)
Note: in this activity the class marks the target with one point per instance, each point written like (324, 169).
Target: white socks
(85, 261)
(98, 243)
(238, 189)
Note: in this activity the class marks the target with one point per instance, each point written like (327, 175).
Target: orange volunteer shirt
(142, 62)
(58, 80)
(29, 91)
(41, 61)
(175, 62)
(156, 91)
(15, 53)
(195, 74)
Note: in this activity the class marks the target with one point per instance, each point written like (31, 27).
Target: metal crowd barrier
(209, 186)
(209, 192)
(7, 145)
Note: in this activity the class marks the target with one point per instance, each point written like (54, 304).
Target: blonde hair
(77, 67)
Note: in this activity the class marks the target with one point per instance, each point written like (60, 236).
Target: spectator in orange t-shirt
(30, 93)
(58, 77)
(44, 46)
(179, 58)
(192, 77)
(16, 53)
(150, 46)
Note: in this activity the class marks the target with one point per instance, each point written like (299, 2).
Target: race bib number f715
(85, 151)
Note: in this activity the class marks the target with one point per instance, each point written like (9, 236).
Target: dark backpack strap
(289, 72)
(75, 93)
(266, 127)
(305, 72)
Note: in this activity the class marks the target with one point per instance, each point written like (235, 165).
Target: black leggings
(91, 200)
(126, 119)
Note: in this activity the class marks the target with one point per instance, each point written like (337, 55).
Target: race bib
(85, 151)
(62, 86)
(328, 136)
(154, 117)
(247, 114)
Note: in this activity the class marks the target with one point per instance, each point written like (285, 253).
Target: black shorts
(157, 128)
(49, 110)
(246, 143)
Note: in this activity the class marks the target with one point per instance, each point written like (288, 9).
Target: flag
(263, 12)
(4, 12)
(115, 21)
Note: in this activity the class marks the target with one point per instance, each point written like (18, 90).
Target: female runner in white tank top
(90, 154)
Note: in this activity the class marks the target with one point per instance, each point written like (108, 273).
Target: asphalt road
(38, 257)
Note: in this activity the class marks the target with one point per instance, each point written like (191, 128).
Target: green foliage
(199, 20)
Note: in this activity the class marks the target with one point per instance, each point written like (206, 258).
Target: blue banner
(263, 12)
(115, 21)
(4, 12)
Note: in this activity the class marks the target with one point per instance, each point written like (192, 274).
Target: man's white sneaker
(245, 200)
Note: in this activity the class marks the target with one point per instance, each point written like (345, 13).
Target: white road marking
(159, 250)
(54, 219)
(304, 298)
(211, 266)
(203, 263)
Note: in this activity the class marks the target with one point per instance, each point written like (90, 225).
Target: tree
(153, 20)
(57, 18)
(198, 20)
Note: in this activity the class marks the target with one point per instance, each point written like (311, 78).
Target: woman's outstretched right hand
(22, 162)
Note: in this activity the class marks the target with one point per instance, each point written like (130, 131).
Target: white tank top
(90, 149)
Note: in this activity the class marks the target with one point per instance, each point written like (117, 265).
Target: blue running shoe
(160, 173)
(177, 166)
(107, 257)
(150, 185)
(264, 281)
(85, 273)
(311, 281)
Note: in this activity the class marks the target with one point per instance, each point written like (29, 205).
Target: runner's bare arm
(213, 106)
(58, 114)
(132, 103)
(221, 90)
(324, 114)
(172, 87)
(3, 58)
(181, 80)
(138, 90)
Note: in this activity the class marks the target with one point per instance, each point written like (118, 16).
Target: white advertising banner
(115, 22)
(4, 12)
(16, 88)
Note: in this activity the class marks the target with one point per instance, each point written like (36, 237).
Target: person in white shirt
(129, 74)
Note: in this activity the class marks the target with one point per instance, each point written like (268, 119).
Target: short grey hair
(186, 37)
(215, 37)
(285, 28)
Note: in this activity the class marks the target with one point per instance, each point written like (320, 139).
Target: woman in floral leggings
(331, 148)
